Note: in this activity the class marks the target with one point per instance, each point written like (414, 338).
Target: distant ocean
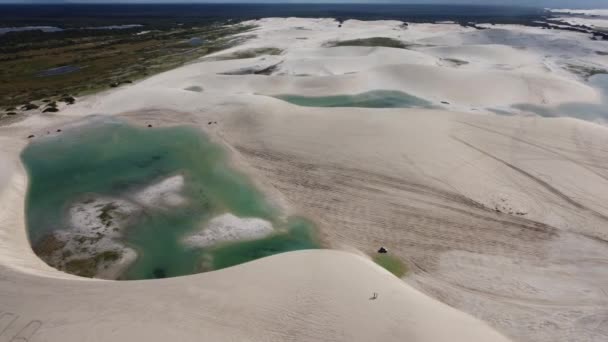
(60, 14)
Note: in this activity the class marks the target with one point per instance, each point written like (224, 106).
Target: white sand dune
(507, 65)
(344, 60)
(500, 217)
(434, 83)
(303, 296)
(491, 56)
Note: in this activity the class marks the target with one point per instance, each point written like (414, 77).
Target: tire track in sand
(535, 179)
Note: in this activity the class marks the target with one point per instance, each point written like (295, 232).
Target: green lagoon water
(112, 158)
(370, 99)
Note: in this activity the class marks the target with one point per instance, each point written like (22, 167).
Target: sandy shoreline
(502, 218)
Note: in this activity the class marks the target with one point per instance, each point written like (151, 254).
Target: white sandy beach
(164, 194)
(227, 227)
(501, 220)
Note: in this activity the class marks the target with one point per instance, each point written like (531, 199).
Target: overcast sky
(536, 3)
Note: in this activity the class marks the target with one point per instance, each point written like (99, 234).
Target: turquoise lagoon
(113, 159)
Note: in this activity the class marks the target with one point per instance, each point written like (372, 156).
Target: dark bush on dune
(29, 106)
(68, 99)
(51, 108)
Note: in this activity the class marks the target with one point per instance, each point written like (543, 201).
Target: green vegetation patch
(249, 53)
(82, 267)
(108, 256)
(48, 245)
(375, 41)
(87, 267)
(195, 89)
(391, 264)
(106, 213)
(99, 60)
(455, 61)
(586, 71)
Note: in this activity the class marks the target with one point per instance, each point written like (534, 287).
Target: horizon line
(220, 2)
